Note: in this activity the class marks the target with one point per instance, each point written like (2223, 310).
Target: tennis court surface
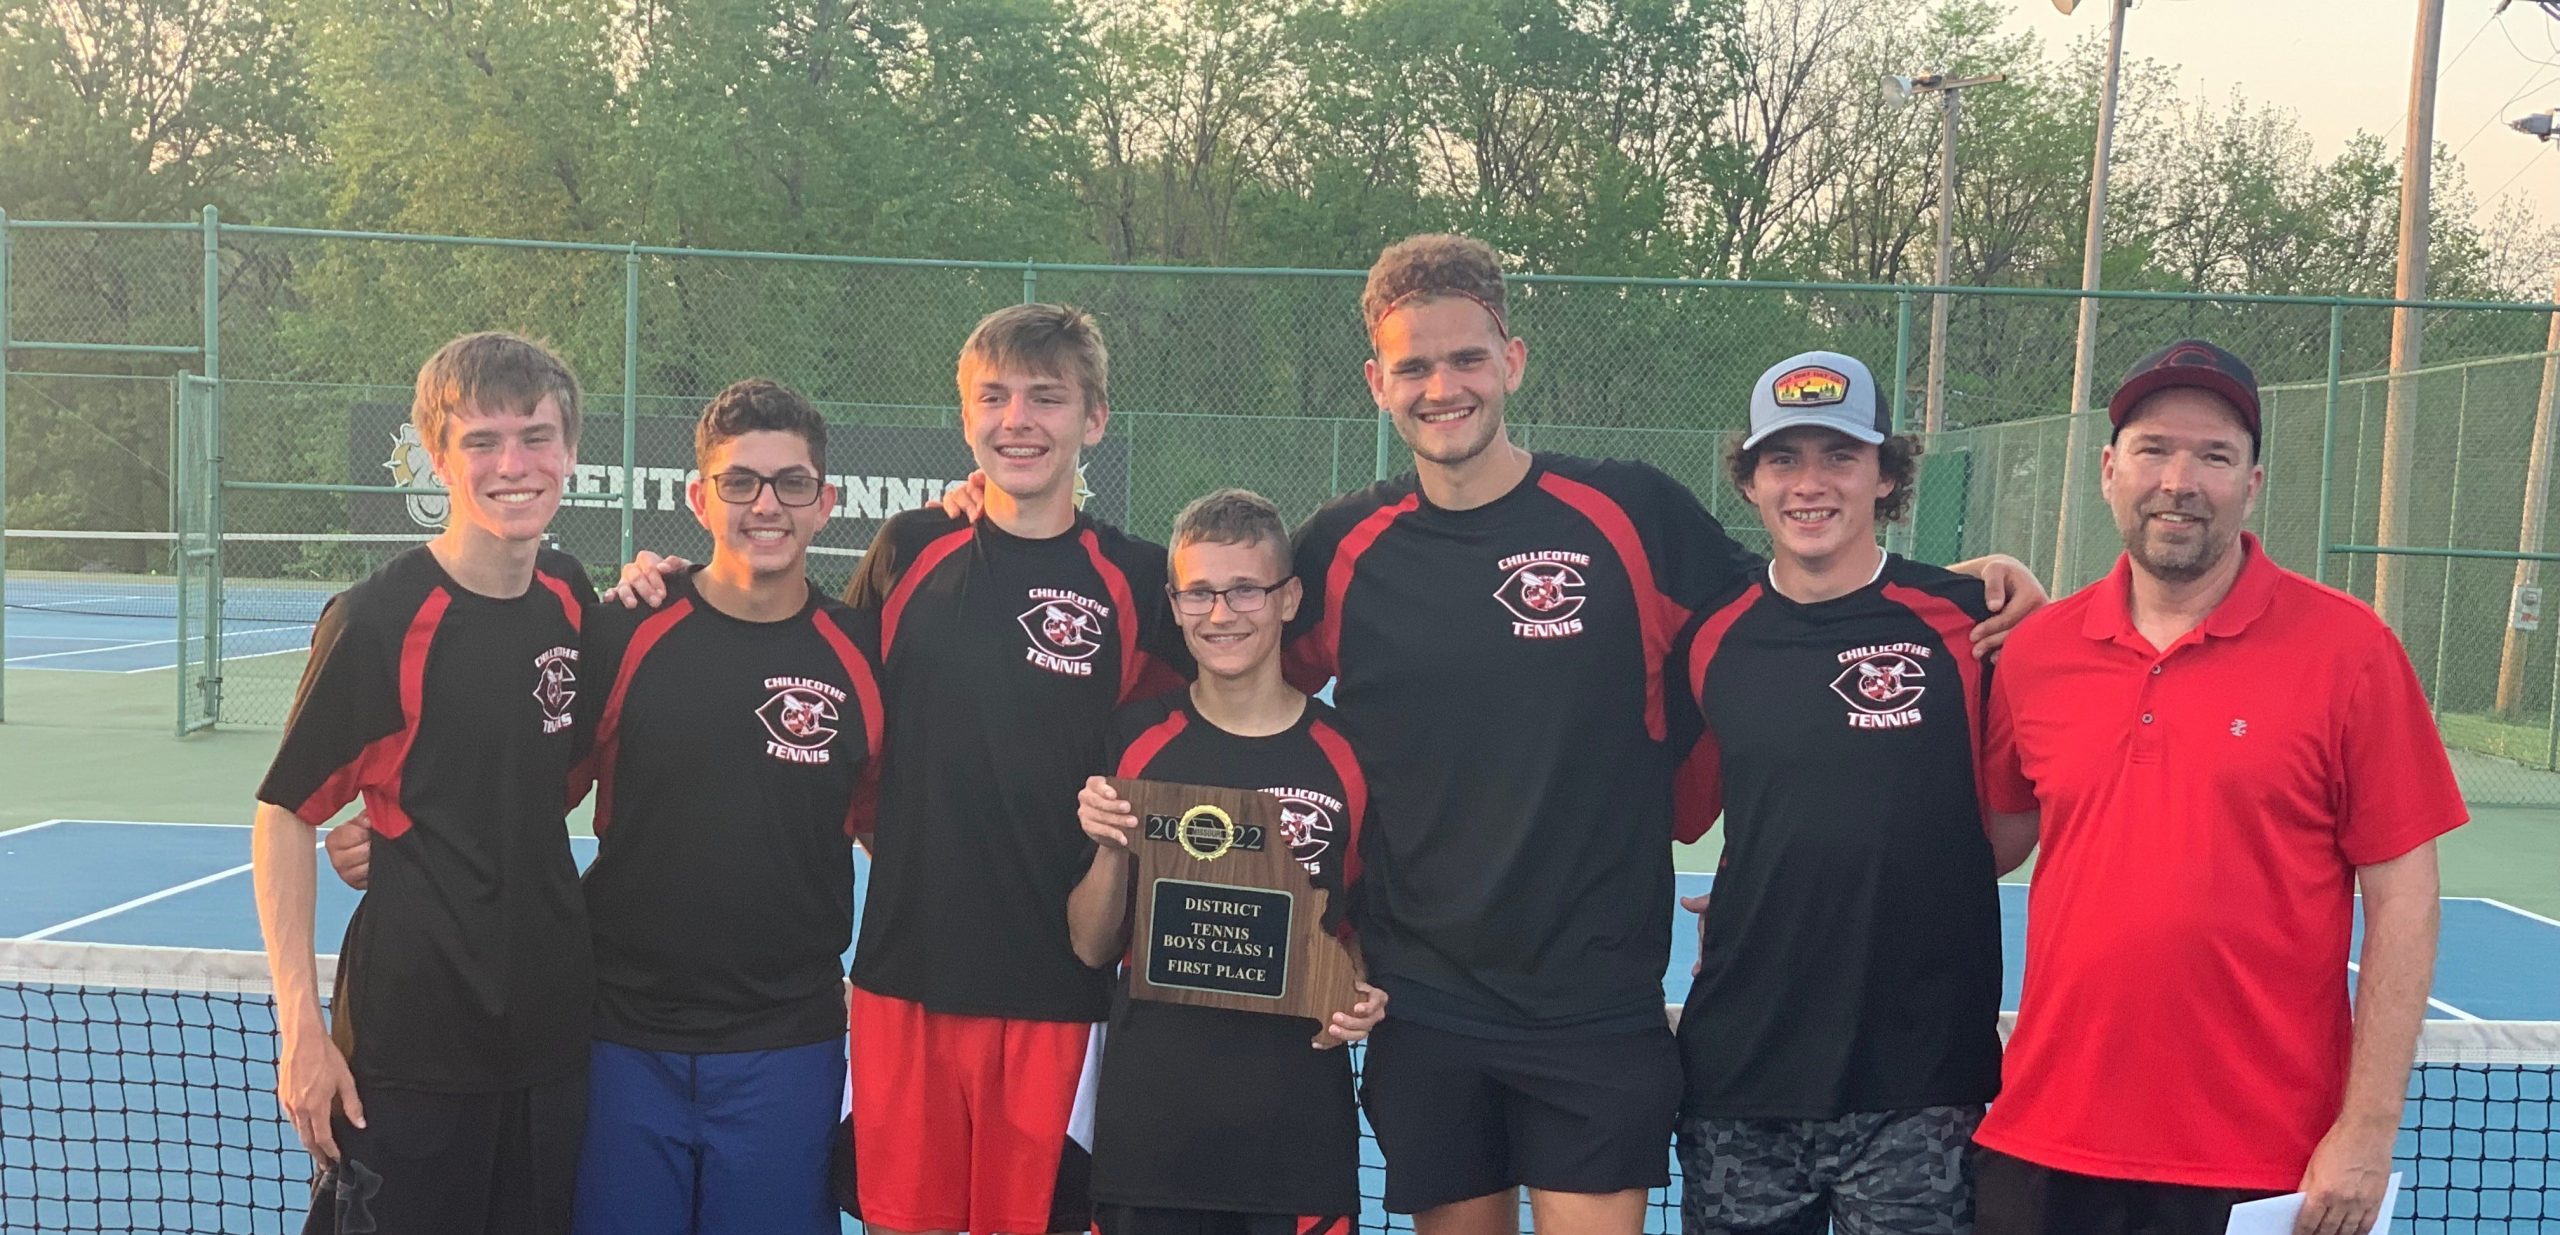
(137, 1045)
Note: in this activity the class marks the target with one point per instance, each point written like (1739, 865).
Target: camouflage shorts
(1871, 1173)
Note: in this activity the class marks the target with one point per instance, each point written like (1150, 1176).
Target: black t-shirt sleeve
(1306, 658)
(600, 648)
(1695, 561)
(349, 701)
(569, 570)
(882, 564)
(1165, 660)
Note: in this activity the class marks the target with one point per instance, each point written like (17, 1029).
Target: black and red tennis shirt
(728, 758)
(466, 967)
(1501, 674)
(1177, 1078)
(1001, 659)
(1852, 948)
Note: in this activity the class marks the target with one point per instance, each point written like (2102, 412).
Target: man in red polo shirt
(2224, 752)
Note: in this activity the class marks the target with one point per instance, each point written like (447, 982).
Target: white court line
(2519, 912)
(46, 823)
(2432, 1002)
(144, 823)
(119, 647)
(226, 659)
(17, 637)
(139, 901)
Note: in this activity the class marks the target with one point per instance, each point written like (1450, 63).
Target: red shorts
(971, 1123)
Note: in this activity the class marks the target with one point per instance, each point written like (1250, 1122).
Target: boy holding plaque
(1210, 1121)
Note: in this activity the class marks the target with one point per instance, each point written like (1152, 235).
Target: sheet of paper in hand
(1225, 917)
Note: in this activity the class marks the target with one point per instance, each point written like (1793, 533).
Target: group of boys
(1544, 670)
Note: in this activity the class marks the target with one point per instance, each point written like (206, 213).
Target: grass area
(2527, 743)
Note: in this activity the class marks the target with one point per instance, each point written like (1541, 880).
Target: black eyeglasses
(1242, 598)
(740, 488)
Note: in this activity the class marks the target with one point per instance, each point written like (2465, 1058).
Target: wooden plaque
(1226, 918)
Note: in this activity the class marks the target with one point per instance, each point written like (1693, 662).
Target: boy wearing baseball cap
(1841, 1038)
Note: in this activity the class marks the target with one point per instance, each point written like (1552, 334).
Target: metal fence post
(1901, 357)
(2453, 529)
(4, 455)
(1030, 282)
(2328, 442)
(630, 388)
(213, 469)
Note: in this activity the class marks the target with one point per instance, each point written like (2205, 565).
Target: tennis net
(137, 1093)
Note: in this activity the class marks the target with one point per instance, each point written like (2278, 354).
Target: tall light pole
(1899, 91)
(2525, 610)
(2075, 461)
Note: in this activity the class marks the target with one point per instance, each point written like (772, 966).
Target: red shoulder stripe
(1658, 616)
(941, 547)
(1134, 761)
(1710, 636)
(866, 692)
(597, 768)
(568, 599)
(1319, 651)
(1134, 664)
(1955, 632)
(1355, 793)
(376, 771)
(1697, 786)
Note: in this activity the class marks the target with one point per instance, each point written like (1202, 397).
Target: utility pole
(1899, 91)
(2537, 495)
(2399, 428)
(1935, 418)
(2076, 438)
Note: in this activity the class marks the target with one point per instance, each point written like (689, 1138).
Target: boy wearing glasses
(1273, 1108)
(729, 735)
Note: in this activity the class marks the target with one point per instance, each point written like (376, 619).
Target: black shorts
(1148, 1220)
(2012, 1196)
(1459, 1117)
(455, 1164)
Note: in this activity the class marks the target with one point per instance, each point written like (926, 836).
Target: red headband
(1500, 326)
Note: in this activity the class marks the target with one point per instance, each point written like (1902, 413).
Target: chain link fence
(1218, 377)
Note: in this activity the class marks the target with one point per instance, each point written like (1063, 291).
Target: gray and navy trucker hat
(1818, 388)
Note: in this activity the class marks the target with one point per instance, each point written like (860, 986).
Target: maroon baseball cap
(2189, 362)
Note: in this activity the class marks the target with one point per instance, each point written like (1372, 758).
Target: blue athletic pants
(727, 1144)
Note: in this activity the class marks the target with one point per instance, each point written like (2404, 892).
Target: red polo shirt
(2205, 808)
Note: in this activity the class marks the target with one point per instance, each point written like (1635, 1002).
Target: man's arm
(2013, 838)
(2351, 1167)
(311, 1077)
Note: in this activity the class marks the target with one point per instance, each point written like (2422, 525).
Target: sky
(2343, 66)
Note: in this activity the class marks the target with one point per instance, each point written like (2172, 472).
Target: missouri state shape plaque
(1226, 918)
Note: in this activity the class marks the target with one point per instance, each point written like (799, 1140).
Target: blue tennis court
(125, 624)
(158, 1108)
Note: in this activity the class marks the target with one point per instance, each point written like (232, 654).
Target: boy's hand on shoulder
(644, 581)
